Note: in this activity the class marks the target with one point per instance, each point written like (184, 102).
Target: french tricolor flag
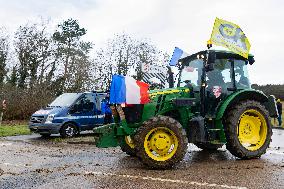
(127, 90)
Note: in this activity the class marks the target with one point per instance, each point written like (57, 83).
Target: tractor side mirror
(251, 60)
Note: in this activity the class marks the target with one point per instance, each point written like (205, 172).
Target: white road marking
(166, 180)
(15, 165)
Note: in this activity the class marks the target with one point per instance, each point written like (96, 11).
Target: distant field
(14, 128)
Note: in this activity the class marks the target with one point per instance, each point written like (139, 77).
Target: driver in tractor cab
(243, 81)
(215, 82)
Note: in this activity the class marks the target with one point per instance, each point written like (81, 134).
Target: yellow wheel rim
(252, 130)
(161, 144)
(129, 141)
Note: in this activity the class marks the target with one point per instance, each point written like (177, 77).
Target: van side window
(89, 102)
(99, 99)
(85, 104)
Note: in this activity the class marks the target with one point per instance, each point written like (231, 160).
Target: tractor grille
(37, 119)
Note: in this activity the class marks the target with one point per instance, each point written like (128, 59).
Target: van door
(83, 111)
(98, 110)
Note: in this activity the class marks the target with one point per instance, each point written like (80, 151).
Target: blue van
(69, 114)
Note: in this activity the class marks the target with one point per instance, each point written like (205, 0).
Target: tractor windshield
(222, 75)
(241, 74)
(190, 73)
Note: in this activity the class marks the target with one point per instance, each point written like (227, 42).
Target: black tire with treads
(169, 123)
(231, 123)
(126, 148)
(69, 130)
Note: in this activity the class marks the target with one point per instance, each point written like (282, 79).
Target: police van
(69, 114)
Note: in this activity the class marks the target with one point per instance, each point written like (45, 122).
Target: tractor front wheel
(161, 142)
(248, 129)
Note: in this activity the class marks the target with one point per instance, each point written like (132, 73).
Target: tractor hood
(175, 92)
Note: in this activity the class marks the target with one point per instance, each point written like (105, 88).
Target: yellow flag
(231, 36)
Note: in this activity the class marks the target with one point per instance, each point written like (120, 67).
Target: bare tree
(46, 63)
(33, 47)
(124, 55)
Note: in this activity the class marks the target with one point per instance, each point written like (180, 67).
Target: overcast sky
(168, 23)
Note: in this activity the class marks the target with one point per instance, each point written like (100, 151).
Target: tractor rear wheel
(208, 146)
(248, 129)
(127, 146)
(161, 142)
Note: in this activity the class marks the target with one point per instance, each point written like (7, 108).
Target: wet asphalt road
(34, 162)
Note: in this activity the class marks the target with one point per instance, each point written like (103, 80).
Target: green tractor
(210, 104)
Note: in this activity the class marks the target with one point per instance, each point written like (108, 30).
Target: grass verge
(13, 130)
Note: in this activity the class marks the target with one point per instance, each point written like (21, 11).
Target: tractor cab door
(190, 76)
(219, 84)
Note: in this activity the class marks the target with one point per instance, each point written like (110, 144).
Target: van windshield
(65, 100)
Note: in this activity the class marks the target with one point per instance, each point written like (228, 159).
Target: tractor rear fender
(248, 94)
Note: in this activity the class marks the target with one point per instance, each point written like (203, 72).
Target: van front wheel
(68, 130)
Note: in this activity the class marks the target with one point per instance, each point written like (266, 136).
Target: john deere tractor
(210, 104)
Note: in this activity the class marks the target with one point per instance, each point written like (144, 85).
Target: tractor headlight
(49, 118)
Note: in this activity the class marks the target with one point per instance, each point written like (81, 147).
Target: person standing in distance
(279, 109)
(106, 110)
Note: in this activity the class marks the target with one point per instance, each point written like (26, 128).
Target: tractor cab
(222, 67)
(213, 75)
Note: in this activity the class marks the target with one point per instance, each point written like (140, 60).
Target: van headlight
(49, 118)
